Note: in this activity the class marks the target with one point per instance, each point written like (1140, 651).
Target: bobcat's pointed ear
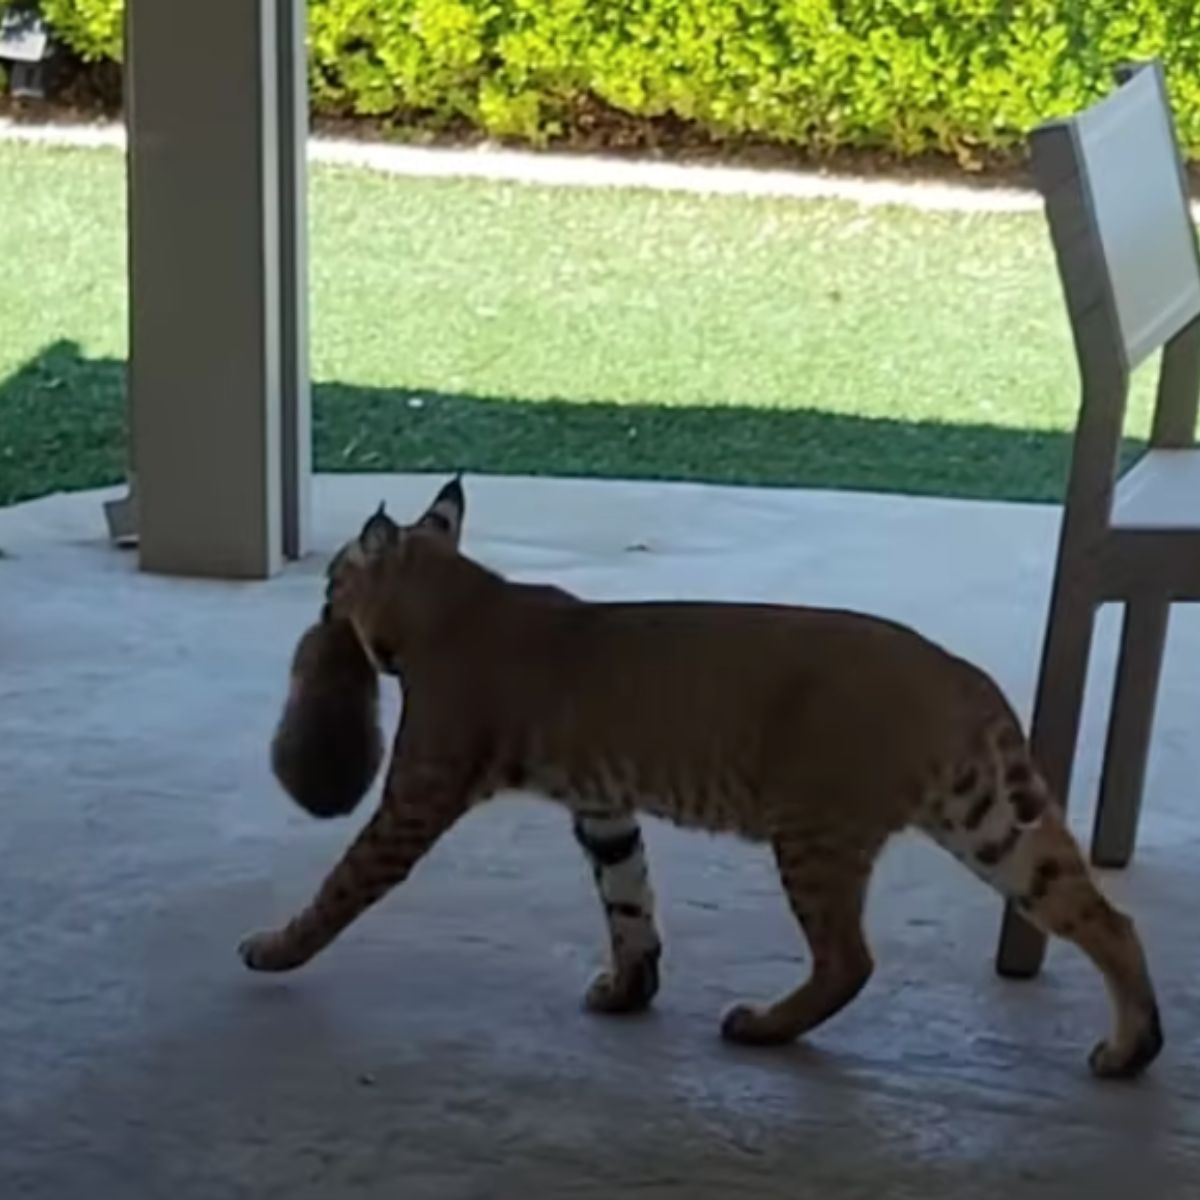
(380, 533)
(445, 515)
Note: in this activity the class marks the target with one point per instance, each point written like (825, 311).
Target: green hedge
(910, 75)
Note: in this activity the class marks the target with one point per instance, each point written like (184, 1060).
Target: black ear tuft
(379, 533)
(445, 514)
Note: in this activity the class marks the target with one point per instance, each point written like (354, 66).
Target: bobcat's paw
(629, 989)
(1111, 1062)
(746, 1025)
(268, 951)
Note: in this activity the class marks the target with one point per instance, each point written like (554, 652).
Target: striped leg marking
(613, 845)
(418, 808)
(1002, 824)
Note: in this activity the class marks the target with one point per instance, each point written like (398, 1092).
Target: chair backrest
(1117, 202)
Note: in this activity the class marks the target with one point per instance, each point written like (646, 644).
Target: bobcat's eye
(336, 597)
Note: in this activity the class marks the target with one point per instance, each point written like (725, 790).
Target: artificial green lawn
(516, 329)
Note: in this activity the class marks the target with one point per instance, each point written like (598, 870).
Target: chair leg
(1054, 737)
(1143, 637)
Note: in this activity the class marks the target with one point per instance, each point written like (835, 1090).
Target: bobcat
(820, 732)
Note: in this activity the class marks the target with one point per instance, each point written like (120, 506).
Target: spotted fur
(821, 733)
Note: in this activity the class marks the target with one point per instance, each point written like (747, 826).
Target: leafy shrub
(957, 76)
(92, 28)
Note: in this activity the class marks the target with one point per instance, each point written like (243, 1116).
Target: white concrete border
(568, 170)
(501, 164)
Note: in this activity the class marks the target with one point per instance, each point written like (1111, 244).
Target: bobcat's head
(327, 747)
(371, 579)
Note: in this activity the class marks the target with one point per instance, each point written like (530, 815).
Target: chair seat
(1161, 491)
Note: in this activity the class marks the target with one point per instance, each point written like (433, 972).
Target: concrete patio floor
(439, 1049)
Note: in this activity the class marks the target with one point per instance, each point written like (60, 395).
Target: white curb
(565, 170)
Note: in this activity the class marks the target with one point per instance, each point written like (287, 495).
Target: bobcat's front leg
(613, 845)
(418, 806)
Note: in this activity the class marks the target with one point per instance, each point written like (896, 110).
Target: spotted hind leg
(613, 845)
(1003, 825)
(826, 883)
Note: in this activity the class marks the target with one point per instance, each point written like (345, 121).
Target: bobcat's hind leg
(826, 879)
(1004, 826)
(613, 845)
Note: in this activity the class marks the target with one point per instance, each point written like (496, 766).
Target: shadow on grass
(62, 427)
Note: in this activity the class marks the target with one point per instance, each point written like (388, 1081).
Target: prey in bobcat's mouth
(820, 732)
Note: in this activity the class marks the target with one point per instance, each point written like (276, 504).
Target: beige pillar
(217, 285)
